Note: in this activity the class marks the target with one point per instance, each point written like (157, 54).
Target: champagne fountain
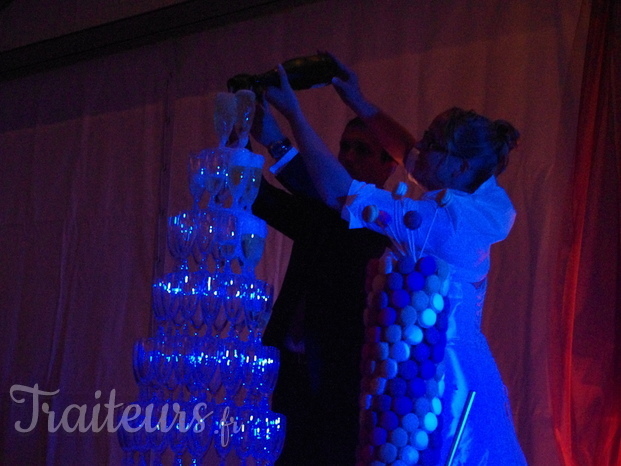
(205, 380)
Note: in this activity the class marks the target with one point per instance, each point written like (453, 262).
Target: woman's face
(431, 167)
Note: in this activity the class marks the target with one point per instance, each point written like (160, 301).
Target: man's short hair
(358, 122)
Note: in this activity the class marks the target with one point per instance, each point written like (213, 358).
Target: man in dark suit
(317, 319)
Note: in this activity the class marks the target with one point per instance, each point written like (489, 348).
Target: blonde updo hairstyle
(483, 144)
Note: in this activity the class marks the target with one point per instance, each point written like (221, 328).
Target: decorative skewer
(460, 427)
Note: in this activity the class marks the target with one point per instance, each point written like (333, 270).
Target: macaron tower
(406, 320)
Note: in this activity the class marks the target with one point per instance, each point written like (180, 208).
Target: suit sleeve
(292, 215)
(294, 176)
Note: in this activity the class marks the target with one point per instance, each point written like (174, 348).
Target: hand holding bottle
(393, 137)
(348, 88)
(283, 98)
(346, 83)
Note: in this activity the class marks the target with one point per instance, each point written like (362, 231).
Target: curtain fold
(586, 344)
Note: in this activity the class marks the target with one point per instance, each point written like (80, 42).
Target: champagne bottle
(303, 73)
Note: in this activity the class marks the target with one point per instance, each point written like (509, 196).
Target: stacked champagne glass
(205, 379)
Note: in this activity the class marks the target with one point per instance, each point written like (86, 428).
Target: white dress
(458, 228)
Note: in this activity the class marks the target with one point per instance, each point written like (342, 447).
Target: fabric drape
(586, 351)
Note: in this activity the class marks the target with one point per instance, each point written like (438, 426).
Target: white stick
(461, 426)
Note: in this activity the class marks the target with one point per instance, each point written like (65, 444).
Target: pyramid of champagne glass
(205, 379)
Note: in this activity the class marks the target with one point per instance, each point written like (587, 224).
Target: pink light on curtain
(586, 328)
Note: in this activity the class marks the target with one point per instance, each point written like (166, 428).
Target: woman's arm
(392, 136)
(330, 178)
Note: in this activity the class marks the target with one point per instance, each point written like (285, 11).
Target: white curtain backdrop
(93, 160)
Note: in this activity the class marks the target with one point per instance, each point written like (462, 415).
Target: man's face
(361, 155)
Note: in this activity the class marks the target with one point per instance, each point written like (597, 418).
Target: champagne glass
(226, 240)
(247, 375)
(244, 177)
(126, 440)
(259, 434)
(277, 425)
(215, 360)
(265, 308)
(211, 301)
(244, 441)
(194, 360)
(140, 436)
(191, 290)
(177, 437)
(226, 415)
(232, 293)
(160, 301)
(268, 436)
(197, 177)
(200, 435)
(245, 102)
(206, 364)
(182, 345)
(258, 307)
(235, 181)
(158, 436)
(262, 435)
(253, 232)
(144, 353)
(225, 116)
(251, 187)
(269, 362)
(165, 296)
(257, 363)
(181, 235)
(232, 379)
(204, 239)
(201, 278)
(244, 185)
(179, 293)
(163, 368)
(216, 173)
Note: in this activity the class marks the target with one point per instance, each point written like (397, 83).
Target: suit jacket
(322, 300)
(325, 277)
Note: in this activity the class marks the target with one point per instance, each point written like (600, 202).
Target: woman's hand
(347, 85)
(348, 89)
(283, 98)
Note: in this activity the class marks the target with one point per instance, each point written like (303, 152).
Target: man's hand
(283, 98)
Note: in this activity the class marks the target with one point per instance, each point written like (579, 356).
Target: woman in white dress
(463, 212)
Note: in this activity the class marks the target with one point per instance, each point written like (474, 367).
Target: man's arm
(292, 174)
(329, 176)
(285, 212)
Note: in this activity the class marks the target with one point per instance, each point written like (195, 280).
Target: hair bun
(506, 133)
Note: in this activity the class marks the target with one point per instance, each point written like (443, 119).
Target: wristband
(284, 160)
(279, 148)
